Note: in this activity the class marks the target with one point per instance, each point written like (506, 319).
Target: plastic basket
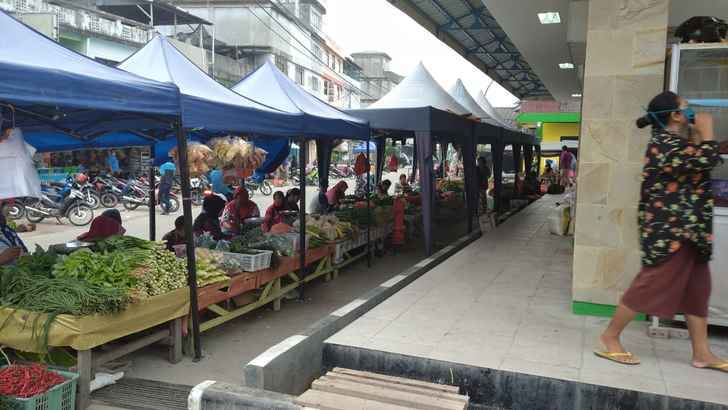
(249, 262)
(60, 397)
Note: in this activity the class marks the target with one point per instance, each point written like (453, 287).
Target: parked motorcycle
(14, 208)
(109, 189)
(264, 187)
(138, 195)
(198, 187)
(73, 206)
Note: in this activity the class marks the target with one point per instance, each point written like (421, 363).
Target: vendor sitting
(274, 213)
(237, 211)
(11, 246)
(208, 221)
(336, 194)
(383, 189)
(402, 187)
(176, 236)
(104, 226)
(292, 197)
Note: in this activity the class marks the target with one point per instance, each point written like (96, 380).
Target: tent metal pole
(369, 209)
(302, 151)
(152, 199)
(189, 240)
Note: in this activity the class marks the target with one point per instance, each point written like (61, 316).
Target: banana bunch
(343, 229)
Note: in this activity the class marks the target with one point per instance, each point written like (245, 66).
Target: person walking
(565, 162)
(675, 221)
(166, 171)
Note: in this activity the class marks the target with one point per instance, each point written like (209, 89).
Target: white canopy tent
(463, 97)
(493, 116)
(417, 90)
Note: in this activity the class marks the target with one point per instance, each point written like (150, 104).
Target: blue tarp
(270, 86)
(207, 105)
(56, 141)
(362, 148)
(72, 92)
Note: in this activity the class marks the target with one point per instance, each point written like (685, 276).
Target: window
(315, 19)
(329, 89)
(315, 83)
(282, 64)
(299, 75)
(317, 51)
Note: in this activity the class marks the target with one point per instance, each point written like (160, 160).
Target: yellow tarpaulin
(87, 332)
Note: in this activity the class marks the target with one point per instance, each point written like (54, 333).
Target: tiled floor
(504, 302)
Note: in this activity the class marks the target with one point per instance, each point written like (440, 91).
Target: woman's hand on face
(704, 126)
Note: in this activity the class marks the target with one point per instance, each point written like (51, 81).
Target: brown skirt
(681, 284)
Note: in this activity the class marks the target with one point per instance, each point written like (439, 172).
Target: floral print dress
(676, 204)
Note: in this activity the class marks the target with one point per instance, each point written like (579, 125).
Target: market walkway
(503, 303)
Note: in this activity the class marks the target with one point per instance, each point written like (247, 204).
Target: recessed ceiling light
(577, 95)
(551, 17)
(566, 66)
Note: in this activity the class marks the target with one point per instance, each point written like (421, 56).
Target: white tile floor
(504, 302)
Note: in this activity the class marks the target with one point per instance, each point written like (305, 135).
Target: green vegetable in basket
(103, 269)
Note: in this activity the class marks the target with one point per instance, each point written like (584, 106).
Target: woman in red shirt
(274, 215)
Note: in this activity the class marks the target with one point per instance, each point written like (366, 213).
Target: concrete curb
(210, 395)
(290, 366)
(501, 389)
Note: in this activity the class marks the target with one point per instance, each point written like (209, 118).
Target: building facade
(376, 77)
(291, 34)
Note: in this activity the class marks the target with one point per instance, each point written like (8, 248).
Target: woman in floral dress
(675, 220)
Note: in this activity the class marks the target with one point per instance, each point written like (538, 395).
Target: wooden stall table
(86, 333)
(270, 280)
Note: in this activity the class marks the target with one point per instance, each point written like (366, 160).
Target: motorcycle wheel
(14, 212)
(265, 188)
(109, 200)
(80, 214)
(174, 205)
(34, 216)
(197, 197)
(130, 205)
(93, 200)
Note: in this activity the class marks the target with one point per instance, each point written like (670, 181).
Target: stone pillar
(625, 63)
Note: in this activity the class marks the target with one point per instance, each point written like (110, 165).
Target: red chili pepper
(27, 381)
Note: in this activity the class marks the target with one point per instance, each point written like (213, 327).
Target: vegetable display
(209, 269)
(27, 381)
(162, 273)
(109, 269)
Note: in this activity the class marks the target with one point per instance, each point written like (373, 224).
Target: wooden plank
(387, 395)
(396, 380)
(424, 391)
(331, 401)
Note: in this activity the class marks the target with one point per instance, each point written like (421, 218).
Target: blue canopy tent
(51, 88)
(321, 121)
(207, 106)
(359, 148)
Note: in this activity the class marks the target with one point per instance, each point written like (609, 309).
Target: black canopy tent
(426, 125)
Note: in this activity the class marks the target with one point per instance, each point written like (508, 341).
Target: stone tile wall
(625, 63)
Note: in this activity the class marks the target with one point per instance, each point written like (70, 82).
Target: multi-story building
(376, 78)
(244, 36)
(287, 32)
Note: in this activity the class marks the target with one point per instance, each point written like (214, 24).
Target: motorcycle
(110, 190)
(138, 194)
(198, 187)
(264, 187)
(73, 207)
(14, 208)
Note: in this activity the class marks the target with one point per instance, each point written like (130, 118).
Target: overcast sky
(366, 25)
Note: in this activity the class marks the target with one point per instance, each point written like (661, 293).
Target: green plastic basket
(60, 397)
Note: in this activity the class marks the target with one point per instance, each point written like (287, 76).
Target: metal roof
(152, 12)
(469, 28)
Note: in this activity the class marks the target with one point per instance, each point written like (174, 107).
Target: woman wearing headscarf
(335, 194)
(274, 213)
(237, 211)
(208, 221)
(675, 220)
(104, 226)
(293, 195)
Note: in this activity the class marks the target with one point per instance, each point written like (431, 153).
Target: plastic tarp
(362, 148)
(19, 178)
(419, 89)
(462, 96)
(73, 92)
(208, 106)
(55, 141)
(269, 86)
(278, 150)
(87, 332)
